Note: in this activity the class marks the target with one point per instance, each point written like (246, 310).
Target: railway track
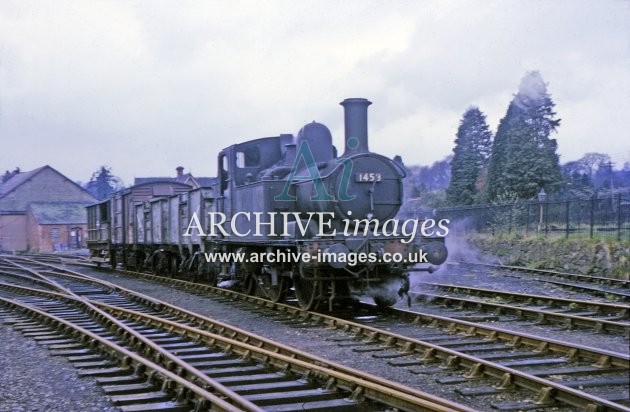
(601, 317)
(609, 288)
(248, 373)
(89, 350)
(477, 360)
(621, 283)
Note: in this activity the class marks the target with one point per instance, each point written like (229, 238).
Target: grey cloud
(145, 87)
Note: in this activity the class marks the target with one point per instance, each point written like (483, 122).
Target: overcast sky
(146, 86)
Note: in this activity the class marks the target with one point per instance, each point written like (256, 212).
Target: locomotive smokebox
(356, 127)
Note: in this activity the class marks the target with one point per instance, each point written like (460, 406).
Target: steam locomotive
(284, 213)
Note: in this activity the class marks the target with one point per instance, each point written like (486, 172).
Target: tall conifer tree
(103, 183)
(471, 152)
(524, 158)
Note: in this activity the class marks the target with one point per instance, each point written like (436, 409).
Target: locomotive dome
(319, 140)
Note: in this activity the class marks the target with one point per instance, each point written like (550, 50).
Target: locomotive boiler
(285, 214)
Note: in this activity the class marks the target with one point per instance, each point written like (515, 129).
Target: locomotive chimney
(355, 118)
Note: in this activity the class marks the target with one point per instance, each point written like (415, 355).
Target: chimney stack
(180, 171)
(355, 118)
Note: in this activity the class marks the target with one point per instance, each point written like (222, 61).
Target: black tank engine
(285, 212)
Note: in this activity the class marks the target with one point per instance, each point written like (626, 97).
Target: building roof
(22, 177)
(58, 213)
(206, 181)
(143, 180)
(17, 180)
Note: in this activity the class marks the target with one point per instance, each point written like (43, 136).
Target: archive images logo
(304, 153)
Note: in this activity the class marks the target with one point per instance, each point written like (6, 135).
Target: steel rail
(624, 283)
(605, 293)
(516, 339)
(152, 347)
(492, 333)
(380, 390)
(25, 278)
(373, 388)
(412, 316)
(331, 321)
(127, 359)
(547, 390)
(613, 309)
(541, 316)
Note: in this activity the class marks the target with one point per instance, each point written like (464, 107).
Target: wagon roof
(186, 178)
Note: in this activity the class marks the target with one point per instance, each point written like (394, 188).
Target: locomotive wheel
(173, 266)
(383, 302)
(112, 259)
(275, 293)
(155, 266)
(306, 292)
(249, 284)
(140, 260)
(125, 256)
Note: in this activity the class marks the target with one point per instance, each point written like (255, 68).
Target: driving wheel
(275, 293)
(306, 292)
(249, 284)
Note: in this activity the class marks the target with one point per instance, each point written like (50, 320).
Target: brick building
(40, 210)
(56, 226)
